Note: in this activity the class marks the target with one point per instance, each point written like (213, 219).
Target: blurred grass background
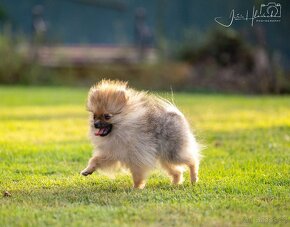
(244, 176)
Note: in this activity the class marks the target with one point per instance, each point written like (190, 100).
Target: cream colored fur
(146, 130)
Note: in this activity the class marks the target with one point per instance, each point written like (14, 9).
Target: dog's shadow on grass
(105, 191)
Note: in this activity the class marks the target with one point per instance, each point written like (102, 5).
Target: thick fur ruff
(146, 130)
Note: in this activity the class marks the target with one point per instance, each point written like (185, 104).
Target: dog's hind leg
(175, 171)
(193, 165)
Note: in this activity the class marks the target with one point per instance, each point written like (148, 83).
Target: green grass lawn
(244, 176)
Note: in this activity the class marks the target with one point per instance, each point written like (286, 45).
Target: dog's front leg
(139, 176)
(94, 163)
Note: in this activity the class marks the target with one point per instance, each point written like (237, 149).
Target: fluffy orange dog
(139, 130)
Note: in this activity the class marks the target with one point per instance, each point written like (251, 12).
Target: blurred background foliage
(152, 44)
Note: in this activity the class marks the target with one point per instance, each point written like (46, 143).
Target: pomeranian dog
(138, 130)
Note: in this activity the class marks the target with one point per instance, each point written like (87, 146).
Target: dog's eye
(107, 116)
(95, 117)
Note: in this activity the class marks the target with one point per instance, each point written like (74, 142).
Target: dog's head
(106, 101)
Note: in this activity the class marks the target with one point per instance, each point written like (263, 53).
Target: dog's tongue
(100, 132)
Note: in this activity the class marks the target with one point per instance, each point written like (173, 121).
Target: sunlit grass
(244, 176)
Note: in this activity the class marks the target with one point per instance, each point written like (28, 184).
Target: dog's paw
(139, 186)
(85, 173)
(194, 180)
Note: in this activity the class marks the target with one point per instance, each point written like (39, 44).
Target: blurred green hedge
(223, 63)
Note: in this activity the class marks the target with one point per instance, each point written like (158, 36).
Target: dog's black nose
(98, 124)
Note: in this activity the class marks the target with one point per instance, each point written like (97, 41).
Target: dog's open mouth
(104, 131)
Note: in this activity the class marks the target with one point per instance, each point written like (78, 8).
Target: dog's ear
(92, 98)
(117, 100)
(122, 96)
